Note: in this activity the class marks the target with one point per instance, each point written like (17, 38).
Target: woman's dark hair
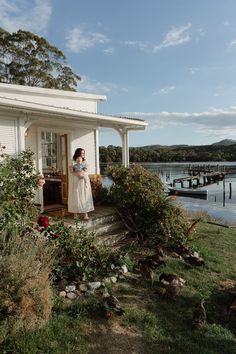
(78, 153)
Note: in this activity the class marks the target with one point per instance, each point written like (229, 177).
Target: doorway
(54, 167)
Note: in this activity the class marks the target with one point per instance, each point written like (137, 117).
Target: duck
(147, 272)
(111, 304)
(194, 260)
(170, 277)
(173, 290)
(199, 315)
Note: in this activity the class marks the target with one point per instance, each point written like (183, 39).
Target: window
(49, 142)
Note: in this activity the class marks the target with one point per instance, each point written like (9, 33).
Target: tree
(27, 59)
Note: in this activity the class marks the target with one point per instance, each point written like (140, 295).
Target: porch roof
(39, 110)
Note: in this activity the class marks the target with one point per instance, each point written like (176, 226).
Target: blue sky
(169, 62)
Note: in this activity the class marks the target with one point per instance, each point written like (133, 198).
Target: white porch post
(125, 146)
(96, 139)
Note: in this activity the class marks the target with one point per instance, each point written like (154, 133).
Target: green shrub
(77, 256)
(18, 180)
(139, 196)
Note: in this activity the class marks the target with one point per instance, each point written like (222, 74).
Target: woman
(80, 200)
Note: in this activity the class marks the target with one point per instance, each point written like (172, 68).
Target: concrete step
(105, 228)
(114, 239)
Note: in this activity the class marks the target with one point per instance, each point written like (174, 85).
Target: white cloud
(193, 71)
(232, 43)
(143, 46)
(78, 40)
(17, 14)
(176, 36)
(214, 122)
(92, 86)
(166, 90)
(109, 51)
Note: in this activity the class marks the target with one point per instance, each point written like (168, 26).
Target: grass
(160, 326)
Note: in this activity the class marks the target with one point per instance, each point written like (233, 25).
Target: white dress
(80, 199)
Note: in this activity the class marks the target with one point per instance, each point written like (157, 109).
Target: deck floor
(59, 211)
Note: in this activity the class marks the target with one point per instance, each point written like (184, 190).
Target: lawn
(151, 323)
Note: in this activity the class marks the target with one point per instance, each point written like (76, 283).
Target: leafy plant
(77, 256)
(18, 181)
(139, 196)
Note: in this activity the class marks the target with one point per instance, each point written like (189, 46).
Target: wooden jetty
(200, 179)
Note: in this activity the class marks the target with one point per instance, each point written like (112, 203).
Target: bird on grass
(148, 265)
(147, 271)
(199, 315)
(173, 290)
(194, 260)
(111, 304)
(170, 277)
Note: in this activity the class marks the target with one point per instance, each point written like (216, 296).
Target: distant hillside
(162, 146)
(225, 142)
(222, 142)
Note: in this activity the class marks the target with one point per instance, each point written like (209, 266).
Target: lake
(218, 204)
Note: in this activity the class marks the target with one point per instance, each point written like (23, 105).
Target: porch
(104, 221)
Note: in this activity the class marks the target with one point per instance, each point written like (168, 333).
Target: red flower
(43, 221)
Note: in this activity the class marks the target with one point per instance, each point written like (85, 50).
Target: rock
(124, 268)
(122, 277)
(70, 288)
(83, 288)
(107, 280)
(94, 285)
(66, 303)
(89, 293)
(113, 279)
(71, 295)
(62, 293)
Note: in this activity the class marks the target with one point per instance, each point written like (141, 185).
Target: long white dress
(80, 199)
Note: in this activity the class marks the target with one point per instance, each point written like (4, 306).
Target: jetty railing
(201, 179)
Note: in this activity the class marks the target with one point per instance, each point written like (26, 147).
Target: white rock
(94, 285)
(83, 288)
(195, 254)
(113, 279)
(124, 268)
(71, 295)
(107, 280)
(62, 294)
(70, 288)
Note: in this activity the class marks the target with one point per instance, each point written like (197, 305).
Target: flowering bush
(43, 221)
(139, 196)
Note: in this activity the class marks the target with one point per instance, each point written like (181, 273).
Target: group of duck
(173, 283)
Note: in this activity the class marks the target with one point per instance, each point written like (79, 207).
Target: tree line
(200, 153)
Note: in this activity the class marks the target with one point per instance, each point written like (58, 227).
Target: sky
(169, 62)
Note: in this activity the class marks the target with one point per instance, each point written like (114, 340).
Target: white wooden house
(53, 123)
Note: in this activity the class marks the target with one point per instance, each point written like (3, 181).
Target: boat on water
(188, 191)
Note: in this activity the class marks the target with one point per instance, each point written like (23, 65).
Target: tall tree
(27, 59)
